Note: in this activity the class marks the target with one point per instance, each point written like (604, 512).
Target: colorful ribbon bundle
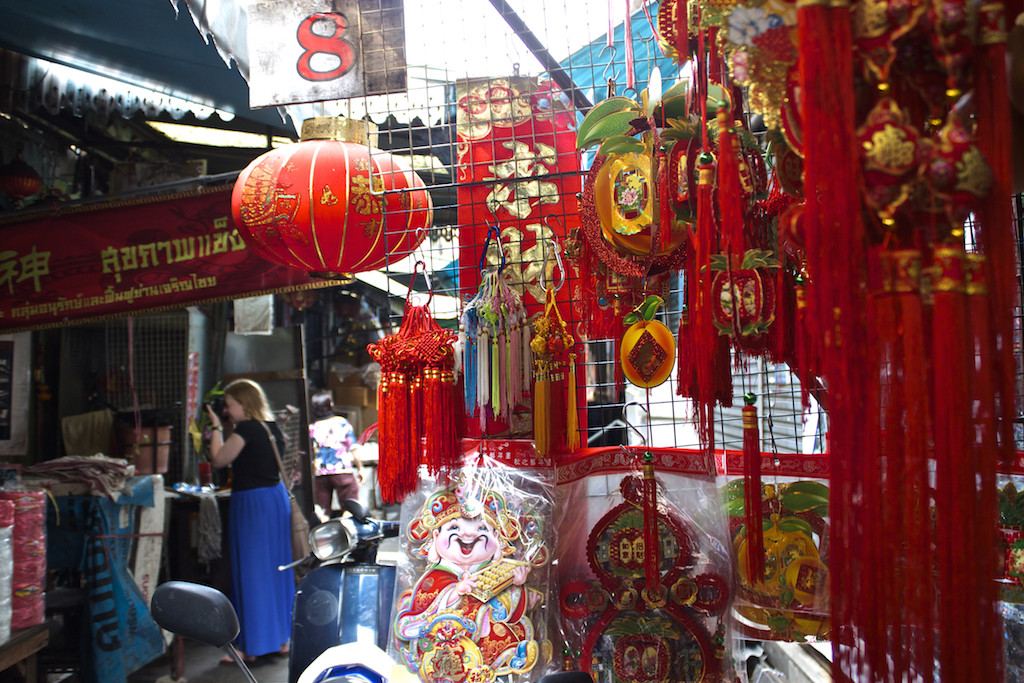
(496, 358)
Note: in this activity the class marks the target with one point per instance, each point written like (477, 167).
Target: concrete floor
(202, 665)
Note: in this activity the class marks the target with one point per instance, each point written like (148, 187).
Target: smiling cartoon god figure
(467, 618)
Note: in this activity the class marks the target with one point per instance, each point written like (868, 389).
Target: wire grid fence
(581, 46)
(146, 358)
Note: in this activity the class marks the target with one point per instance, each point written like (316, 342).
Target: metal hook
(625, 418)
(558, 264)
(612, 78)
(492, 231)
(426, 280)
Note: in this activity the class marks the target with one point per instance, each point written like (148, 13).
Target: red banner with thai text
(77, 264)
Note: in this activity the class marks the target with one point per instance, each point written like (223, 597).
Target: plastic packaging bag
(633, 608)
(472, 584)
(6, 567)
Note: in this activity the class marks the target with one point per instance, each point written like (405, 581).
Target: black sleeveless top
(256, 466)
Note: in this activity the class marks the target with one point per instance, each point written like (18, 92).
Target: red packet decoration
(473, 613)
(418, 402)
(789, 599)
(641, 628)
(648, 348)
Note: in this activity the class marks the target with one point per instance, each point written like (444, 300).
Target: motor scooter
(348, 597)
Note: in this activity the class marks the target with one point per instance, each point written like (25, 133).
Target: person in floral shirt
(335, 463)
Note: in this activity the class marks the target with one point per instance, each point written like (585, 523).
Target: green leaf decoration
(733, 489)
(670, 107)
(766, 525)
(649, 308)
(678, 89)
(786, 597)
(631, 318)
(778, 625)
(717, 97)
(802, 502)
(735, 507)
(815, 488)
(759, 258)
(614, 123)
(621, 144)
(795, 524)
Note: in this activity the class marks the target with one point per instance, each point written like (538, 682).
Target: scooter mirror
(331, 539)
(356, 509)
(195, 611)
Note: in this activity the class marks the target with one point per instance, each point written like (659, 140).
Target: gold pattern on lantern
(364, 201)
(328, 198)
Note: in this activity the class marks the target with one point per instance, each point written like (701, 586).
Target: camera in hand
(217, 405)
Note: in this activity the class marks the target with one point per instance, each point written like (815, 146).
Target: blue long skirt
(260, 541)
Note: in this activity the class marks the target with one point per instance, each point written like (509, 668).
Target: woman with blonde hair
(259, 519)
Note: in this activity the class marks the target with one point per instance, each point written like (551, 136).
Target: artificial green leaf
(766, 525)
(621, 144)
(631, 318)
(801, 502)
(717, 97)
(815, 488)
(786, 597)
(734, 488)
(677, 89)
(794, 524)
(615, 123)
(734, 507)
(650, 306)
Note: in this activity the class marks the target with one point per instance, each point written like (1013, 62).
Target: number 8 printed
(333, 44)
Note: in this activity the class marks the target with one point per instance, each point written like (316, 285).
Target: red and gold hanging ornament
(648, 349)
(418, 401)
(332, 204)
(555, 423)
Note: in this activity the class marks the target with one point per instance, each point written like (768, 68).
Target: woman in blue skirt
(260, 520)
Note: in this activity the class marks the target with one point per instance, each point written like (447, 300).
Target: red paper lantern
(18, 180)
(311, 206)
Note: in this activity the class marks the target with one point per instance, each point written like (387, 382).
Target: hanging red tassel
(411, 401)
(752, 490)
(955, 479)
(652, 541)
(730, 192)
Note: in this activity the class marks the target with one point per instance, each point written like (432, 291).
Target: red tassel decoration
(954, 477)
(417, 385)
(730, 192)
(705, 335)
(652, 542)
(752, 490)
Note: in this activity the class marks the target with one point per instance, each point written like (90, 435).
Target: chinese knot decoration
(331, 204)
(418, 402)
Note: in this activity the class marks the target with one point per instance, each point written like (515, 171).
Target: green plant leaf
(621, 144)
(815, 488)
(734, 507)
(733, 489)
(677, 89)
(615, 123)
(630, 319)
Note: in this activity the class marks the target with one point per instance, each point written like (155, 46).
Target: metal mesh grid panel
(146, 359)
(580, 47)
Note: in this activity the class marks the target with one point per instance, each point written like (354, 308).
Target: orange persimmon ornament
(648, 348)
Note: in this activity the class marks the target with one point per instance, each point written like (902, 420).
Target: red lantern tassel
(752, 494)
(955, 478)
(652, 542)
(416, 418)
(665, 212)
(686, 354)
(397, 458)
(705, 338)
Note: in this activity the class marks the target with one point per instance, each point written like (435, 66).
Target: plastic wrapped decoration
(497, 362)
(6, 567)
(624, 626)
(473, 578)
(790, 601)
(28, 580)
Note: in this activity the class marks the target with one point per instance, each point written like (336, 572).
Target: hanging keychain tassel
(572, 429)
(652, 543)
(752, 491)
